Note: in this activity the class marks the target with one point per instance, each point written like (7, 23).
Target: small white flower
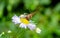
(2, 34)
(9, 31)
(38, 30)
(31, 26)
(23, 25)
(16, 19)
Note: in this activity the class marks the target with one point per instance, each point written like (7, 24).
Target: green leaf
(1, 9)
(36, 17)
(45, 2)
(57, 8)
(12, 2)
(48, 11)
(31, 4)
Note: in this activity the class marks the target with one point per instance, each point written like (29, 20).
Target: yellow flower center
(24, 20)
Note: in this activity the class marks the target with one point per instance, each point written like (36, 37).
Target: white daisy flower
(16, 19)
(24, 23)
(9, 31)
(38, 30)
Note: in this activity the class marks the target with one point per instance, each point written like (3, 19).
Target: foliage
(47, 18)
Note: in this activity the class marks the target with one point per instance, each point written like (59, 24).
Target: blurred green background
(47, 18)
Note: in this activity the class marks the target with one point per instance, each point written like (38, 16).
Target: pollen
(24, 20)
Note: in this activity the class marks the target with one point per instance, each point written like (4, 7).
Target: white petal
(15, 19)
(9, 31)
(38, 30)
(23, 25)
(31, 26)
(22, 16)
